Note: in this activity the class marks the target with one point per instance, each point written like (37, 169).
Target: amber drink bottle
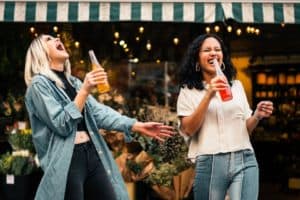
(102, 88)
(225, 94)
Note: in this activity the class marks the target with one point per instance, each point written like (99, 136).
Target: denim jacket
(53, 118)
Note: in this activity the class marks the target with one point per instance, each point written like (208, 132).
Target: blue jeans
(233, 173)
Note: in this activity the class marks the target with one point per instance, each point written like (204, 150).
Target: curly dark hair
(188, 76)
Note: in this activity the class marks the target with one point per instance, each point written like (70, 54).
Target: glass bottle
(225, 94)
(102, 88)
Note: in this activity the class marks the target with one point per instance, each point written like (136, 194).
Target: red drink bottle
(225, 94)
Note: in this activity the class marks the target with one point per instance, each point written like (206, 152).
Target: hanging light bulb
(32, 29)
(141, 29)
(137, 38)
(239, 31)
(55, 29)
(207, 29)
(122, 42)
(176, 40)
(229, 29)
(116, 35)
(257, 31)
(148, 45)
(217, 28)
(248, 29)
(77, 44)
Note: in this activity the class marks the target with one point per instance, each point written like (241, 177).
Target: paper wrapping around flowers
(142, 158)
(183, 183)
(115, 140)
(164, 192)
(121, 162)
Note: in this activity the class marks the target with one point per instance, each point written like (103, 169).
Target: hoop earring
(223, 66)
(197, 67)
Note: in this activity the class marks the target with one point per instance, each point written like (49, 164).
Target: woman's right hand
(93, 78)
(218, 83)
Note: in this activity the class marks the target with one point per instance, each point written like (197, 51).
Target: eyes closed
(208, 50)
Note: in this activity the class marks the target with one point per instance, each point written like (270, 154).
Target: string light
(207, 29)
(148, 45)
(122, 42)
(229, 29)
(248, 29)
(217, 28)
(141, 29)
(137, 38)
(55, 29)
(117, 35)
(176, 40)
(32, 29)
(77, 44)
(239, 31)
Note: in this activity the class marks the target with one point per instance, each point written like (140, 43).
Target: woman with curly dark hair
(217, 130)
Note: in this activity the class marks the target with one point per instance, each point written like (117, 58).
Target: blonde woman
(65, 121)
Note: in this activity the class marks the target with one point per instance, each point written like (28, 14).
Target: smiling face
(210, 49)
(56, 52)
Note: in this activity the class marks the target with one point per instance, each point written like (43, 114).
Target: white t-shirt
(224, 126)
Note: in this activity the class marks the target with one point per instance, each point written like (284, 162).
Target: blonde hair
(38, 62)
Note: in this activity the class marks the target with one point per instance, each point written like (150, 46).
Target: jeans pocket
(203, 163)
(249, 158)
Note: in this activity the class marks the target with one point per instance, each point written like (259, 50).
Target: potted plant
(164, 167)
(17, 168)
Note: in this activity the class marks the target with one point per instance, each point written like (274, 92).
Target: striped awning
(155, 11)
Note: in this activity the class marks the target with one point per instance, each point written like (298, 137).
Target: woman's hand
(153, 129)
(218, 83)
(263, 109)
(93, 78)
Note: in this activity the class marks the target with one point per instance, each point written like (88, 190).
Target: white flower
(36, 160)
(23, 153)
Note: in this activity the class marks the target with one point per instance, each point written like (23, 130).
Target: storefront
(150, 10)
(262, 37)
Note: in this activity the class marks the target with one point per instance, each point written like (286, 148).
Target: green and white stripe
(167, 11)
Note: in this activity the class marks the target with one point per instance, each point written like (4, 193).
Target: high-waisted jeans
(234, 173)
(87, 179)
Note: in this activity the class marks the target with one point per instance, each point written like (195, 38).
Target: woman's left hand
(155, 130)
(263, 109)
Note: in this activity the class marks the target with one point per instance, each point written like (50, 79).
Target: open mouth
(60, 47)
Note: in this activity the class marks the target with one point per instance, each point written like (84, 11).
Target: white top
(224, 126)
